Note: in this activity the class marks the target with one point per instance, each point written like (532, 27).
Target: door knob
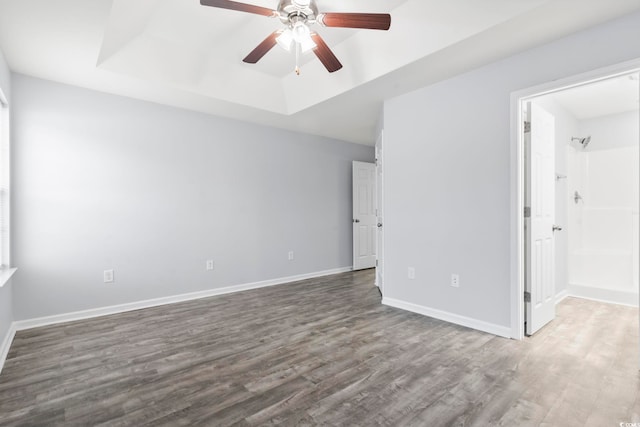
(356, 220)
(556, 228)
(379, 225)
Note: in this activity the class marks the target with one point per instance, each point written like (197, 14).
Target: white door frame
(380, 212)
(517, 261)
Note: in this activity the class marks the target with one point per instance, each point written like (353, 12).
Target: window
(4, 183)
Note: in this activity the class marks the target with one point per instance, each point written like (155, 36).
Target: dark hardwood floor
(321, 352)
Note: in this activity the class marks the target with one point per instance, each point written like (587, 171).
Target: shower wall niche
(603, 220)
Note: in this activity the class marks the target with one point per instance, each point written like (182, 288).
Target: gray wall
(6, 305)
(447, 173)
(151, 191)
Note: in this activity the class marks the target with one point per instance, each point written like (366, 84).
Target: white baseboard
(560, 296)
(6, 344)
(608, 296)
(121, 308)
(502, 331)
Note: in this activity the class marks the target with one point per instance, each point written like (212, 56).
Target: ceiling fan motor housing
(292, 11)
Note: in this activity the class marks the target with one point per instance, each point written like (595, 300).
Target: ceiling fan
(297, 16)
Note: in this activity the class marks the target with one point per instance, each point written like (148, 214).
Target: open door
(539, 218)
(364, 215)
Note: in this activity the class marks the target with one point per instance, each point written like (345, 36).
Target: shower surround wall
(603, 226)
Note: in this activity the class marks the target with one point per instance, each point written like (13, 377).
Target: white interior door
(540, 197)
(380, 215)
(364, 215)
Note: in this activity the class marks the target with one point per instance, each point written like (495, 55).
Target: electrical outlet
(455, 280)
(209, 264)
(411, 273)
(108, 276)
(290, 255)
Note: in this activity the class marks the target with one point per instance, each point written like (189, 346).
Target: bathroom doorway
(595, 189)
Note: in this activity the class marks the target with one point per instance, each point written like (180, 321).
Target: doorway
(572, 241)
(364, 215)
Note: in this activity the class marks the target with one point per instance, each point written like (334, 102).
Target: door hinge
(527, 297)
(376, 263)
(527, 211)
(527, 127)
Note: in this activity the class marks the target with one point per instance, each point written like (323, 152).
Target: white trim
(517, 170)
(379, 153)
(627, 299)
(517, 221)
(609, 296)
(5, 275)
(6, 344)
(21, 325)
(606, 301)
(560, 296)
(502, 331)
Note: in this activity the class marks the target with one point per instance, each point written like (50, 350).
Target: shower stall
(603, 188)
(597, 189)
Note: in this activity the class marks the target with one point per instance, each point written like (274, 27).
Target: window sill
(5, 275)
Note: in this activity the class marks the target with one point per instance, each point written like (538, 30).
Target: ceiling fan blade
(262, 49)
(324, 54)
(371, 21)
(242, 7)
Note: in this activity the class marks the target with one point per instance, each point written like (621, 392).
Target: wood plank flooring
(321, 352)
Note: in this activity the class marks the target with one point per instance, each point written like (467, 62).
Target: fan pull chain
(297, 58)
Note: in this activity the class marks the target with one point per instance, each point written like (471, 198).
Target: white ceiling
(179, 53)
(601, 98)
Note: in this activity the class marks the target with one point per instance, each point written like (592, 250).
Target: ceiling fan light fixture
(301, 32)
(285, 39)
(307, 44)
(302, 35)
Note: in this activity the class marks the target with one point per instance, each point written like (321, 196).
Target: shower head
(582, 141)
